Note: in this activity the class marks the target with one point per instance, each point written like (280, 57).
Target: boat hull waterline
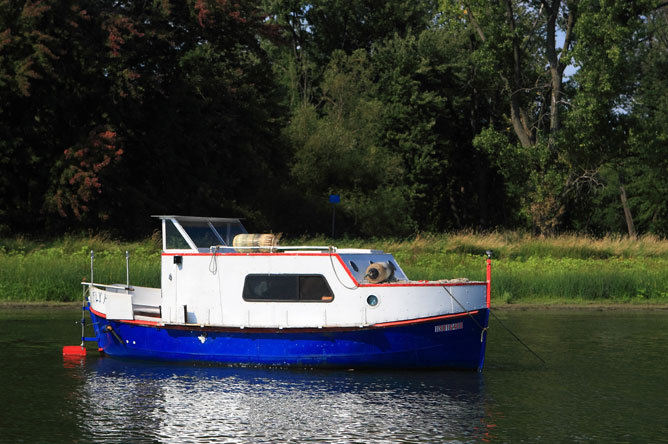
(454, 341)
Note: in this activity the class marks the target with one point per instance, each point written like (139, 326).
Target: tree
(555, 149)
(338, 152)
(314, 30)
(647, 166)
(516, 40)
(140, 107)
(48, 104)
(599, 126)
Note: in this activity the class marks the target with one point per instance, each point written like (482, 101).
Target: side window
(314, 288)
(286, 288)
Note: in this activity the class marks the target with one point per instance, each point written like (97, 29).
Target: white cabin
(207, 281)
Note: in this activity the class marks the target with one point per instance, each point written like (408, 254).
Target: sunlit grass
(526, 269)
(36, 271)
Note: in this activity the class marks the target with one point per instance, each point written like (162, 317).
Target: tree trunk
(627, 212)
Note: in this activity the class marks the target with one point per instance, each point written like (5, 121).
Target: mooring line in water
(516, 337)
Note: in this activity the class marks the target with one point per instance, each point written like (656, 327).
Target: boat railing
(105, 286)
(271, 249)
(278, 247)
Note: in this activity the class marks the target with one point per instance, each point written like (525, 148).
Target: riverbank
(531, 271)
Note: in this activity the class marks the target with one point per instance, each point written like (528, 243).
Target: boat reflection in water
(137, 401)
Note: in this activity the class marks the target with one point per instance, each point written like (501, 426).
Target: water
(605, 381)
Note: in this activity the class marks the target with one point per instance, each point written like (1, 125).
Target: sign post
(334, 199)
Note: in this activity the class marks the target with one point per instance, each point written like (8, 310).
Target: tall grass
(526, 269)
(38, 271)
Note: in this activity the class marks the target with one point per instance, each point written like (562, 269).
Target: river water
(605, 380)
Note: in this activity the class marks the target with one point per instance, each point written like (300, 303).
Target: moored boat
(231, 297)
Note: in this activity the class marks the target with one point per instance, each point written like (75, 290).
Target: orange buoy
(74, 350)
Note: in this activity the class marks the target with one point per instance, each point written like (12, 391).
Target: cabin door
(170, 292)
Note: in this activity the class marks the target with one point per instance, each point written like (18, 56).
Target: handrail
(118, 287)
(275, 247)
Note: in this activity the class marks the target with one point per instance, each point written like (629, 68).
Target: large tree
(540, 147)
(114, 110)
(647, 166)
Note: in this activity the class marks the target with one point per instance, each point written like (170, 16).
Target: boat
(236, 298)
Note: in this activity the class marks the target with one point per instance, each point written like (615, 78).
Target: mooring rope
(213, 269)
(482, 329)
(517, 337)
(213, 265)
(331, 261)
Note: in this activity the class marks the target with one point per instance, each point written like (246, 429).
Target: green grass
(35, 271)
(526, 269)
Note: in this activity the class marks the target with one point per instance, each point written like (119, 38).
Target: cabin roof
(198, 218)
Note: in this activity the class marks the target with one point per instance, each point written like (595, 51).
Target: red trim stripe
(126, 321)
(423, 284)
(421, 320)
(289, 329)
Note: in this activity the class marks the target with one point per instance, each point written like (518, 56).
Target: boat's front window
(201, 233)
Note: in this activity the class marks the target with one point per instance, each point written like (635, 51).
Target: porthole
(372, 300)
(354, 265)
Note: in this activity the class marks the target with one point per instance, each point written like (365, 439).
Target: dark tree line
(547, 115)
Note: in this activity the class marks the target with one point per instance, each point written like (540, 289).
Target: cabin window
(287, 288)
(173, 238)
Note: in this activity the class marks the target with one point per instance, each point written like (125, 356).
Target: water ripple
(145, 402)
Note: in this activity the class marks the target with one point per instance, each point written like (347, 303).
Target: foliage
(647, 163)
(106, 104)
(338, 152)
(430, 115)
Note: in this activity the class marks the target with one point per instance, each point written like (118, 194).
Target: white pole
(127, 269)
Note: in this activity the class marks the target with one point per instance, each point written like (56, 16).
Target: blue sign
(334, 198)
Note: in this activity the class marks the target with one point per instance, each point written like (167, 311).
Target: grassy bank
(527, 270)
(38, 271)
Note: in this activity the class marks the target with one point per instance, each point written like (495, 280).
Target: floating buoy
(74, 350)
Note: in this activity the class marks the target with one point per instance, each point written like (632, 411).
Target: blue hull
(455, 342)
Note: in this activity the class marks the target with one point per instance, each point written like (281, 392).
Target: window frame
(298, 276)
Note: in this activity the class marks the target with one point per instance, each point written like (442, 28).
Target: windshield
(201, 233)
(228, 230)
